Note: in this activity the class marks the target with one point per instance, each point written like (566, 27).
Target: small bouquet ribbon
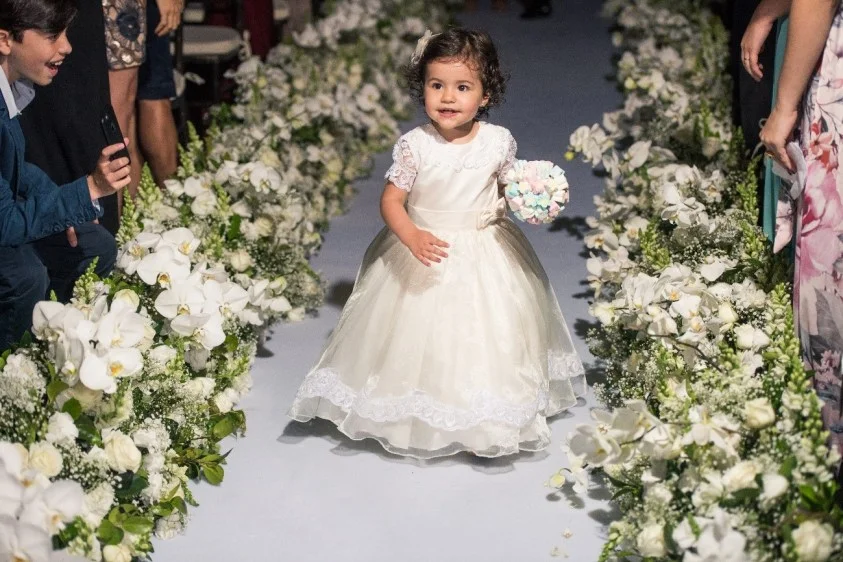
(536, 190)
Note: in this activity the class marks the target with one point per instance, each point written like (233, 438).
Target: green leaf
(787, 467)
(809, 495)
(88, 432)
(137, 525)
(108, 533)
(179, 503)
(55, 388)
(213, 473)
(223, 428)
(131, 485)
(234, 228)
(72, 407)
(231, 343)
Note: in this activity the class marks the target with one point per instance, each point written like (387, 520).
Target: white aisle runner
(303, 493)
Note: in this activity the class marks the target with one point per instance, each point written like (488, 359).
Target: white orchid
(204, 329)
(163, 267)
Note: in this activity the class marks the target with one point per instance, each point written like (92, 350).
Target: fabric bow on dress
(491, 215)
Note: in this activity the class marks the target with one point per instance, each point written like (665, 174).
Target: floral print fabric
(818, 278)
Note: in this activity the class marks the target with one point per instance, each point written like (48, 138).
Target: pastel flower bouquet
(536, 190)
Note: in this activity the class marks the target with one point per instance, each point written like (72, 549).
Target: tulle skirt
(471, 354)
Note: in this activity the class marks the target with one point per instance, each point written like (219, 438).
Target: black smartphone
(113, 134)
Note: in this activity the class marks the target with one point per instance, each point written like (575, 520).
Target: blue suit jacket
(32, 206)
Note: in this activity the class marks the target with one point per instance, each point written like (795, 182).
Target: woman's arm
(810, 22)
(752, 42)
(424, 245)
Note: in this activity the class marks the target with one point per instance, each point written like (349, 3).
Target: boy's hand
(109, 176)
(71, 237)
(426, 247)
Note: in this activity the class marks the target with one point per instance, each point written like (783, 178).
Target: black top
(62, 125)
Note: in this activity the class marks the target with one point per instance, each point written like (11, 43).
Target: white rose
(241, 208)
(741, 476)
(296, 314)
(240, 260)
(121, 452)
(46, 459)
(61, 429)
(650, 541)
(759, 413)
(162, 354)
(199, 388)
(749, 337)
(774, 486)
(659, 493)
(174, 186)
(204, 204)
(116, 553)
(726, 313)
(129, 296)
(813, 541)
(264, 226)
(223, 402)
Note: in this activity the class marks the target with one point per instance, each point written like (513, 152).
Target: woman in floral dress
(812, 77)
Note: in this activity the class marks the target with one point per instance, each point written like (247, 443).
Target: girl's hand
(426, 247)
(752, 44)
(777, 131)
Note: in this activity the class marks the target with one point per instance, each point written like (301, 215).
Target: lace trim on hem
(485, 407)
(510, 447)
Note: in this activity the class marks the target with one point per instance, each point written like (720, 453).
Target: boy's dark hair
(473, 47)
(50, 17)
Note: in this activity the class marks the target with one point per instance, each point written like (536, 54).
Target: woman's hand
(426, 247)
(752, 44)
(777, 131)
(170, 16)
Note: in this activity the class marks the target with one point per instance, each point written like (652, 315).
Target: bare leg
(124, 92)
(158, 138)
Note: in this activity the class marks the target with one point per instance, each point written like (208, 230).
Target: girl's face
(453, 92)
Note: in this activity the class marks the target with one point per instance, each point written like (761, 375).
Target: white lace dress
(471, 354)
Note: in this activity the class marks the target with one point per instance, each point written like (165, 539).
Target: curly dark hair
(476, 48)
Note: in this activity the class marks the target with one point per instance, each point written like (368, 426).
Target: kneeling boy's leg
(65, 263)
(23, 282)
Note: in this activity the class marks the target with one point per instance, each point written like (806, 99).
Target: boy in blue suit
(33, 209)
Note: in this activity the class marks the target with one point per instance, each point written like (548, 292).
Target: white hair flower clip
(422, 45)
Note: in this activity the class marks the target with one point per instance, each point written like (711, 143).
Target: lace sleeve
(404, 167)
(510, 147)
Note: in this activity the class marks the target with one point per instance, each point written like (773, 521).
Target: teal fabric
(772, 183)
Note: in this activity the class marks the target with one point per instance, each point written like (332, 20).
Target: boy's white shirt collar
(17, 96)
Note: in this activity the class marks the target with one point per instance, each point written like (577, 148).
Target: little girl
(452, 339)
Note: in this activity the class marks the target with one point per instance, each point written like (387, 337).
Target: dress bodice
(443, 176)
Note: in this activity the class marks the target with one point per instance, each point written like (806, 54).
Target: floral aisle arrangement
(120, 399)
(713, 442)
